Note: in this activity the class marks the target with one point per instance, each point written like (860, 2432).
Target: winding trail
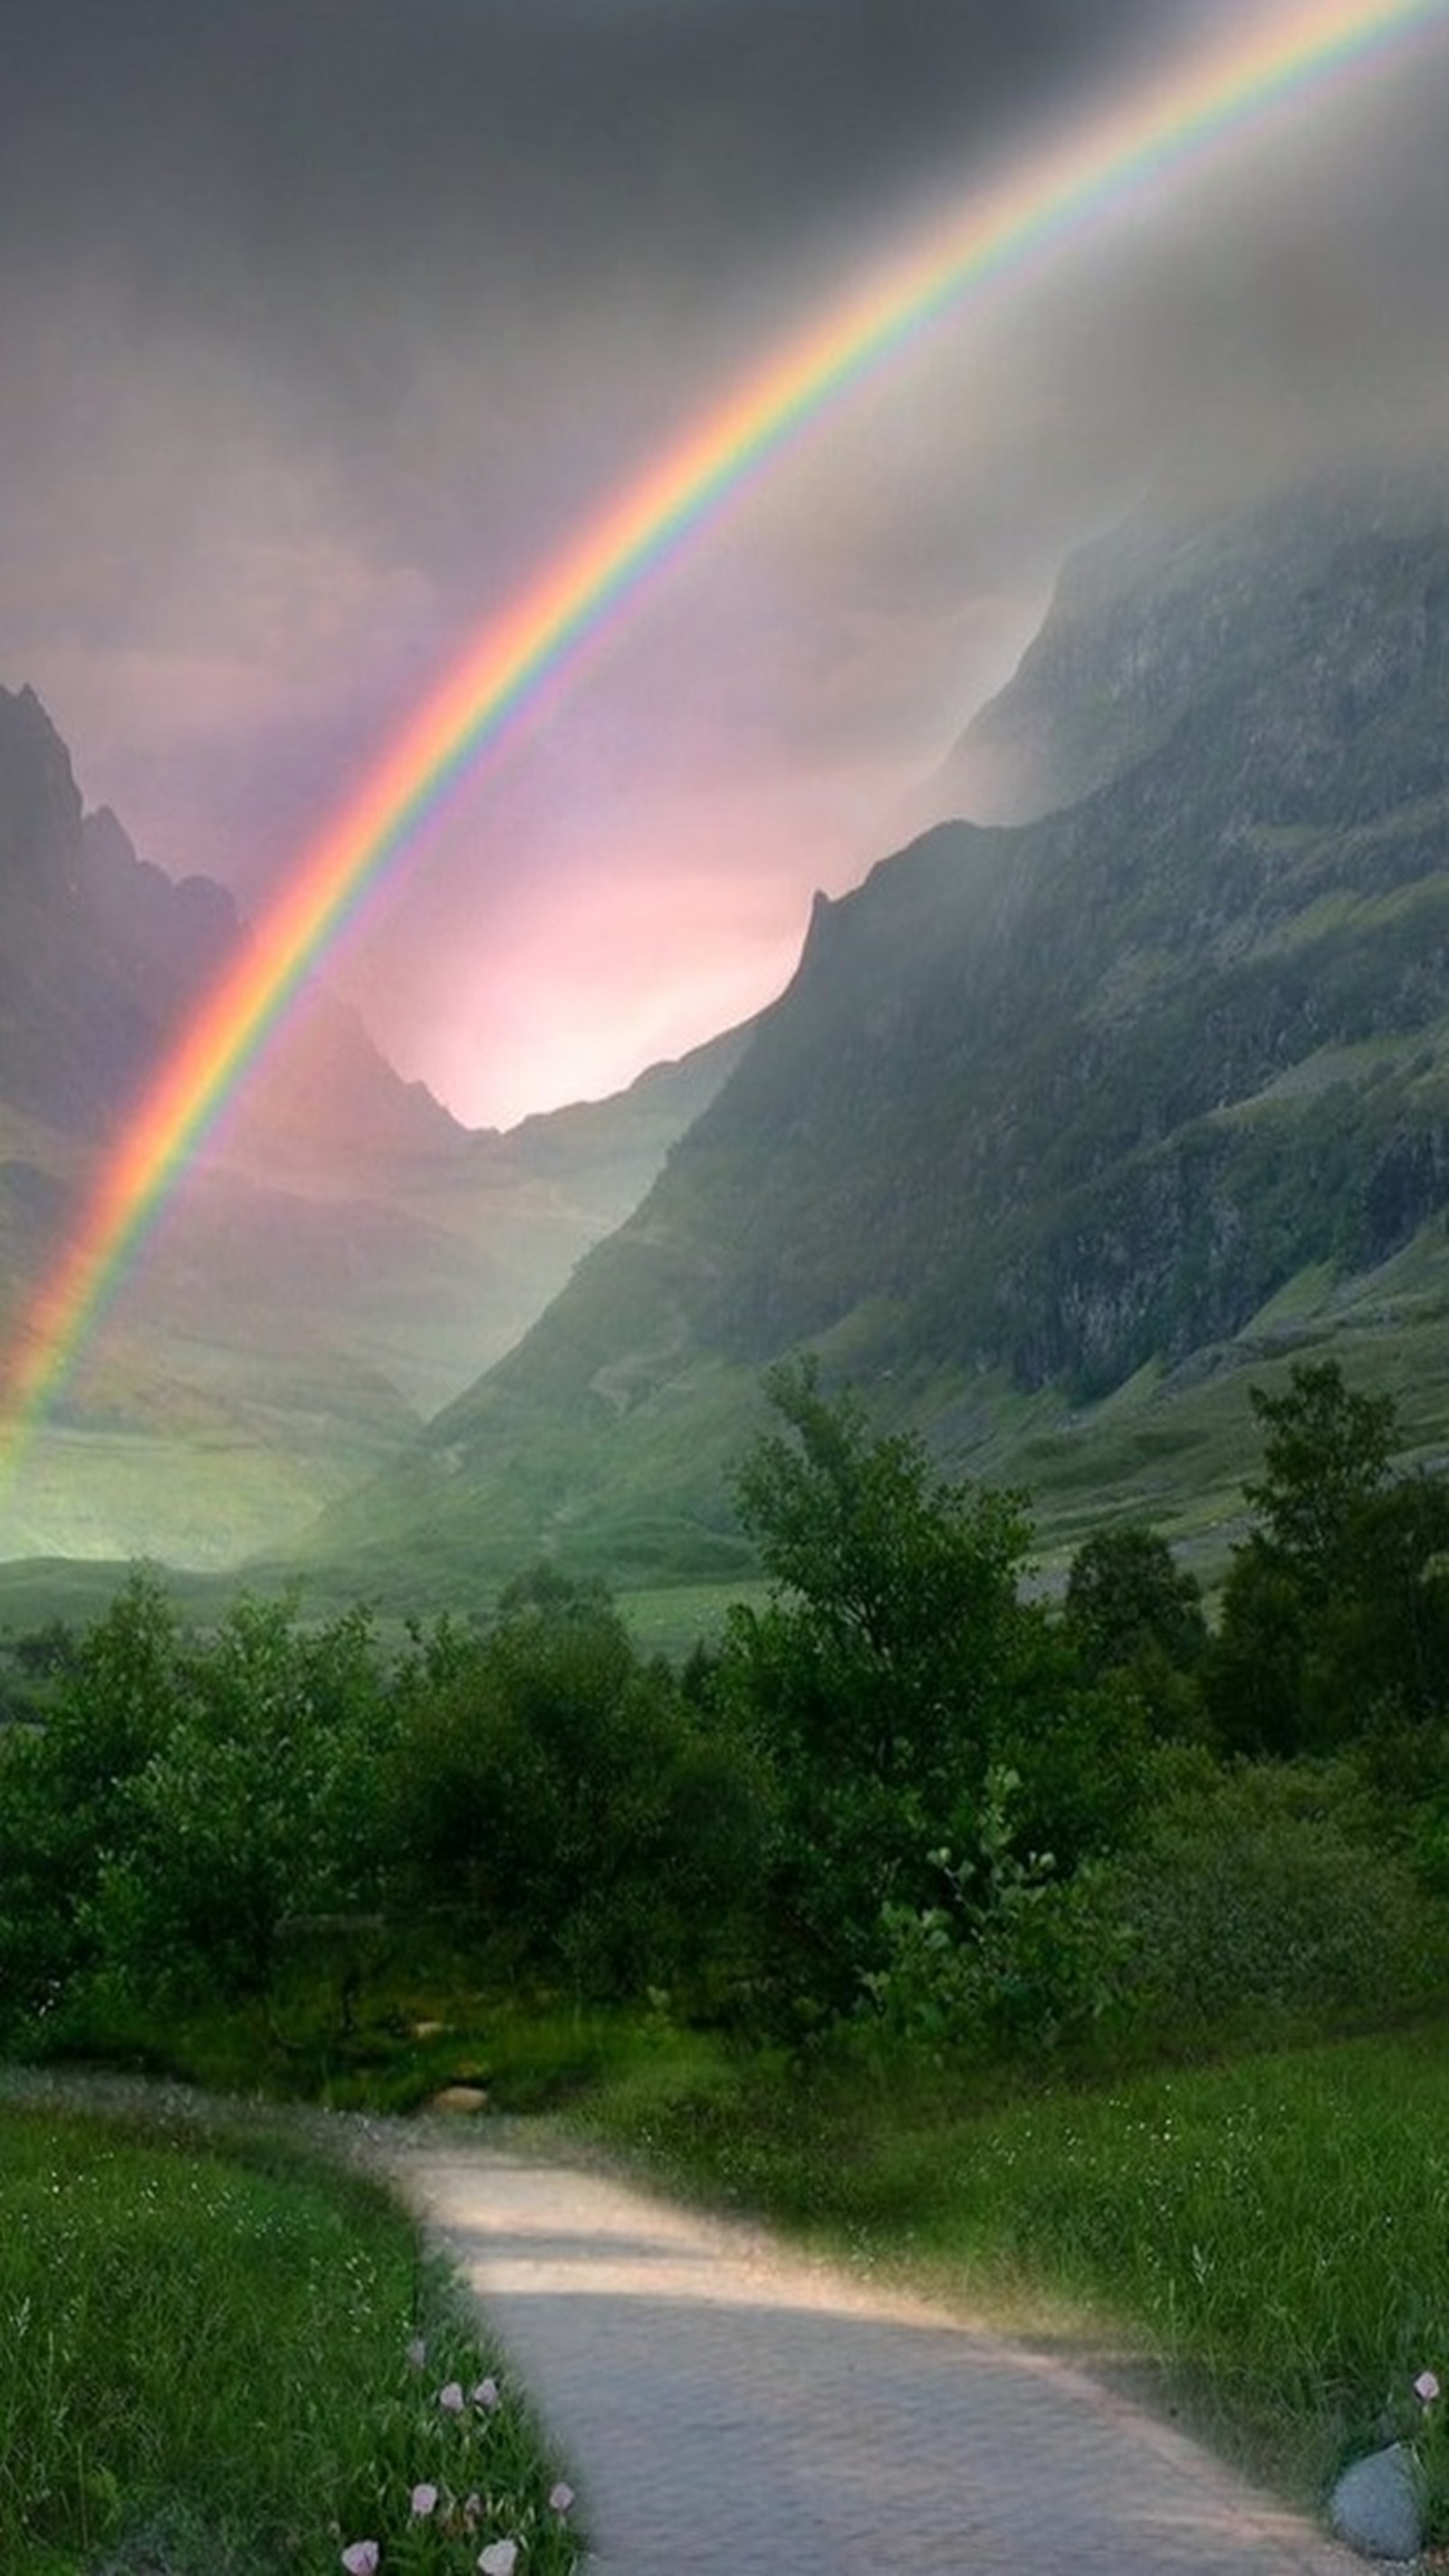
(732, 2408)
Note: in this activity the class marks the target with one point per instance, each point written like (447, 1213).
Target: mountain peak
(41, 850)
(171, 938)
(1157, 615)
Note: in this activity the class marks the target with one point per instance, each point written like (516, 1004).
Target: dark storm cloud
(359, 125)
(416, 277)
(349, 187)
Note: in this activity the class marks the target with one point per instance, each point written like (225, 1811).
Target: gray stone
(1377, 2505)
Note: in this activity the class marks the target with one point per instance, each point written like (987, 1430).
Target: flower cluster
(446, 2528)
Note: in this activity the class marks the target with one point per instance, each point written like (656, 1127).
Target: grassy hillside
(1062, 1134)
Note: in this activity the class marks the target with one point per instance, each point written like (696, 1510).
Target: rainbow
(1173, 121)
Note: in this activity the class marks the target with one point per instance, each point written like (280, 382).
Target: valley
(1068, 1129)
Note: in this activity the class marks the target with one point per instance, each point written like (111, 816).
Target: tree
(879, 1681)
(1335, 1615)
(1254, 1676)
(1381, 1651)
(555, 1789)
(1132, 1612)
(184, 1798)
(896, 1588)
(1326, 1450)
(65, 1787)
(258, 1804)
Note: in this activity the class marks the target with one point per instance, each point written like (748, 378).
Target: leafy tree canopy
(1326, 1451)
(896, 1587)
(1335, 1616)
(895, 1664)
(1126, 1596)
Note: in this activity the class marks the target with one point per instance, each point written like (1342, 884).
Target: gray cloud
(324, 321)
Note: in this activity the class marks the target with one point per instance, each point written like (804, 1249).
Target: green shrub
(1259, 1894)
(1016, 1961)
(554, 1789)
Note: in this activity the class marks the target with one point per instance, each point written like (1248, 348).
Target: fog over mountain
(1122, 1096)
(324, 325)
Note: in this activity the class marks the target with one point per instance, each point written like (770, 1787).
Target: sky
(324, 321)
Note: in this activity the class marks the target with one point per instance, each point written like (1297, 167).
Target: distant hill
(1061, 1128)
(341, 1259)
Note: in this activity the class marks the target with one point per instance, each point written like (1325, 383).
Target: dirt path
(732, 2409)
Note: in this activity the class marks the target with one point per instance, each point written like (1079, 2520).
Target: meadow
(222, 2353)
(1084, 1960)
(205, 2367)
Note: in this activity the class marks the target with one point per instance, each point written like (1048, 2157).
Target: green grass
(645, 1503)
(205, 2364)
(419, 2025)
(674, 1617)
(1262, 2246)
(1268, 2240)
(38, 1589)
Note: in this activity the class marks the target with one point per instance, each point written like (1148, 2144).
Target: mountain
(341, 1257)
(1063, 1127)
(76, 1023)
(1146, 621)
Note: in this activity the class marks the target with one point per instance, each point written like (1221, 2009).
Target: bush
(259, 1804)
(184, 1798)
(1259, 1895)
(1018, 1960)
(553, 1789)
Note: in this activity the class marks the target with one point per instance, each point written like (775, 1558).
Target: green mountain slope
(1060, 1129)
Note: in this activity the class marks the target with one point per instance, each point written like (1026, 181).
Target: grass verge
(222, 2353)
(1267, 2242)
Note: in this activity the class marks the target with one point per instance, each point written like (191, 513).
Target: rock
(1377, 2505)
(467, 2098)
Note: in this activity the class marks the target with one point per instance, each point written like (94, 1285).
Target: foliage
(199, 1810)
(1382, 1653)
(1011, 1960)
(1326, 1452)
(1131, 1611)
(554, 1784)
(1335, 1615)
(185, 1798)
(62, 1790)
(866, 1679)
(1253, 1681)
(898, 1777)
(260, 1806)
(1268, 1893)
(29, 1663)
(893, 1665)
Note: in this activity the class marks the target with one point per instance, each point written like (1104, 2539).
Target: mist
(324, 325)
